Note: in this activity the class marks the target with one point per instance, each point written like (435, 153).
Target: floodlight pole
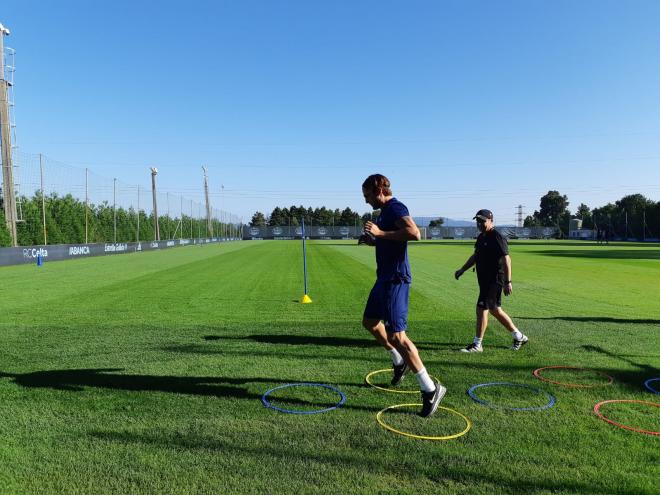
(114, 209)
(167, 199)
(9, 195)
(209, 226)
(644, 225)
(137, 232)
(87, 202)
(154, 172)
(43, 198)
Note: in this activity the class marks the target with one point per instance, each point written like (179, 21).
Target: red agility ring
(537, 374)
(638, 430)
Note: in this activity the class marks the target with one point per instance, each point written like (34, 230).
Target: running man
(491, 255)
(386, 312)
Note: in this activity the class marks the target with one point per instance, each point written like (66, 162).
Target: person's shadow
(77, 379)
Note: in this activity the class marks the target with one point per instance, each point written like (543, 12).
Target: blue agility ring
(473, 396)
(649, 387)
(267, 403)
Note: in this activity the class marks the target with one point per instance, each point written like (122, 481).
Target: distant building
(575, 231)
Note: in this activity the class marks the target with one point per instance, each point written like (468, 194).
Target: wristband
(507, 282)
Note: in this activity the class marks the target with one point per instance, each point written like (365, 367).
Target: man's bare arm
(406, 231)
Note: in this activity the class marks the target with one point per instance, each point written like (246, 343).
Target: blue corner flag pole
(304, 254)
(305, 299)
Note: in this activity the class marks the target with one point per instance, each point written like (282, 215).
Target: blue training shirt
(392, 256)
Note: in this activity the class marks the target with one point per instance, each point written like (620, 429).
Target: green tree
(633, 212)
(258, 220)
(584, 213)
(531, 221)
(553, 208)
(5, 237)
(439, 222)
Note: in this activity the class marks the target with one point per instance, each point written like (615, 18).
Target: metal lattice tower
(6, 130)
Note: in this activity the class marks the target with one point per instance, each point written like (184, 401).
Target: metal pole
(137, 233)
(181, 219)
(209, 226)
(6, 148)
(86, 204)
(114, 209)
(154, 172)
(304, 255)
(191, 221)
(43, 198)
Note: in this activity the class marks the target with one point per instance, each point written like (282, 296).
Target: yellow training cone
(306, 299)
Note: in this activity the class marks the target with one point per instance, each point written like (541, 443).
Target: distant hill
(449, 222)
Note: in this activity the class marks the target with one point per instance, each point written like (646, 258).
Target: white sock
(424, 380)
(397, 360)
(517, 334)
(477, 341)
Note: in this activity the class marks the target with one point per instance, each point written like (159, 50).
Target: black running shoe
(399, 371)
(517, 344)
(430, 400)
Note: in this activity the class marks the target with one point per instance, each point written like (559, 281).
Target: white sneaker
(473, 348)
(517, 344)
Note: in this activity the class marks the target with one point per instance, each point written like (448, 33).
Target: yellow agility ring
(393, 390)
(422, 437)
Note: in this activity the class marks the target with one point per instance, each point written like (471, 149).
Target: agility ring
(393, 390)
(473, 396)
(649, 387)
(468, 424)
(268, 404)
(638, 430)
(537, 374)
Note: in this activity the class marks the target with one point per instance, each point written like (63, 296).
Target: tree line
(66, 216)
(293, 215)
(632, 217)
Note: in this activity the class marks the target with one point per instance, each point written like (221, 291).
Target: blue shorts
(388, 301)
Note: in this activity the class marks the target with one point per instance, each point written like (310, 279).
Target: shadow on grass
(596, 319)
(372, 463)
(75, 380)
(618, 254)
(634, 379)
(298, 340)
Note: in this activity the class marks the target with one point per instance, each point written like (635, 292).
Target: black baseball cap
(483, 215)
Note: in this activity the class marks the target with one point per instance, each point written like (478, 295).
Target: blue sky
(463, 104)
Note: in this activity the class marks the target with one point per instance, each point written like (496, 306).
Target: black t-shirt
(489, 249)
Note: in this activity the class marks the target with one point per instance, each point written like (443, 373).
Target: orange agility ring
(638, 430)
(537, 374)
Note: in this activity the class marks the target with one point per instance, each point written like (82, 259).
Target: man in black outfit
(491, 255)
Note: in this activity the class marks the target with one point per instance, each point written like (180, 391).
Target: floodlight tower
(209, 226)
(154, 173)
(9, 196)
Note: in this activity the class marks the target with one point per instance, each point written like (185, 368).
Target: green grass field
(143, 373)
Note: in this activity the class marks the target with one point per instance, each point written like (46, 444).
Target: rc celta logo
(34, 252)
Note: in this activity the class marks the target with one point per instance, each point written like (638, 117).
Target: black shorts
(490, 295)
